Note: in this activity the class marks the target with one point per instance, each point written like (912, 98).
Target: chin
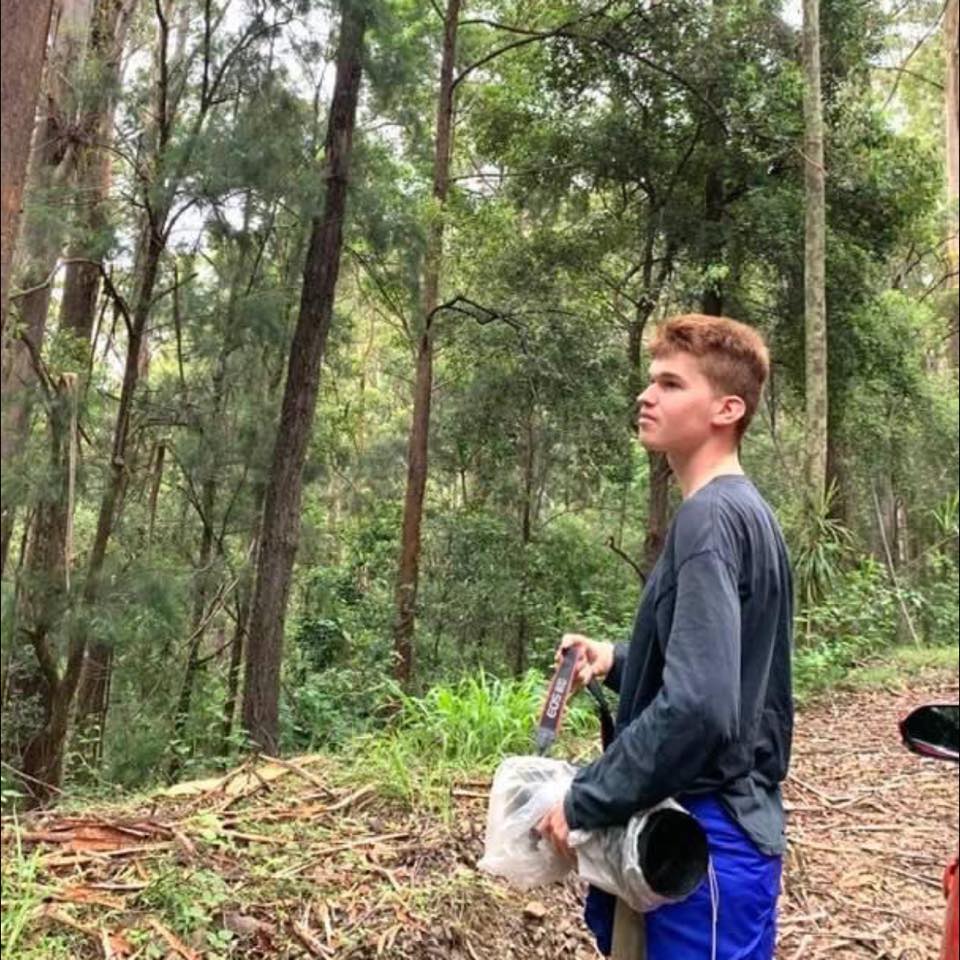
(650, 445)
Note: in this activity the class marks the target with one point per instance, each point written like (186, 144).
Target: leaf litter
(278, 859)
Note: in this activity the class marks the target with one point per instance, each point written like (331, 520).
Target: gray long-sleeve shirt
(705, 687)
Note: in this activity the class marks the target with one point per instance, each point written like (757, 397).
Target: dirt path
(871, 827)
(288, 861)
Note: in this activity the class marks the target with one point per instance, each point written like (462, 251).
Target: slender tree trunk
(93, 702)
(713, 239)
(281, 518)
(81, 285)
(408, 572)
(157, 479)
(236, 662)
(208, 498)
(244, 593)
(951, 97)
(815, 324)
(658, 470)
(23, 36)
(658, 512)
(527, 457)
(45, 596)
(204, 560)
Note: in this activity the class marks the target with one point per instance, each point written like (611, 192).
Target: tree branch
(612, 544)
(526, 37)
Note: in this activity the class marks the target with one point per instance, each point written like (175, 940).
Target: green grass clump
(22, 894)
(466, 727)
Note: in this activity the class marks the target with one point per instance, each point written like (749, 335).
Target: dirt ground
(278, 861)
(871, 827)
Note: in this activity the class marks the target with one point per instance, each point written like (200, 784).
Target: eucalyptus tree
(281, 516)
(23, 39)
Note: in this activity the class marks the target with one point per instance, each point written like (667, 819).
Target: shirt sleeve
(696, 712)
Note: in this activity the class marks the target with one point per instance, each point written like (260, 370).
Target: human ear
(729, 410)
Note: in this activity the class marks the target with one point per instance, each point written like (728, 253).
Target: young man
(706, 712)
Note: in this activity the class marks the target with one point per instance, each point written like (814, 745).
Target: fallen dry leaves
(871, 828)
(312, 870)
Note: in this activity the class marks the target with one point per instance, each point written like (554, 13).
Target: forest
(324, 324)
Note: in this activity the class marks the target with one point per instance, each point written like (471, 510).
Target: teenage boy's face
(680, 409)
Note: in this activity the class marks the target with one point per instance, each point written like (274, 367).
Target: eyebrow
(667, 375)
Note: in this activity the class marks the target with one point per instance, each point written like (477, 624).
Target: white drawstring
(714, 907)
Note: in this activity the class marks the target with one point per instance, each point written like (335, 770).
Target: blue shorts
(748, 884)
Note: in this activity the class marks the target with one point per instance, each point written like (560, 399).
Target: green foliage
(861, 617)
(187, 898)
(22, 894)
(456, 728)
(326, 709)
(601, 178)
(819, 546)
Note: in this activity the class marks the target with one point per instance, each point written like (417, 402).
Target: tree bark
(815, 317)
(658, 470)
(408, 573)
(23, 36)
(81, 285)
(51, 167)
(281, 518)
(658, 511)
(951, 97)
(45, 596)
(527, 463)
(712, 245)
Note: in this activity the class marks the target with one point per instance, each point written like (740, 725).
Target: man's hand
(553, 827)
(596, 658)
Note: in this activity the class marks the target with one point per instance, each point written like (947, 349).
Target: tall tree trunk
(93, 701)
(45, 596)
(281, 517)
(527, 459)
(658, 510)
(244, 594)
(51, 169)
(815, 315)
(951, 97)
(712, 244)
(408, 573)
(23, 37)
(197, 622)
(658, 470)
(81, 285)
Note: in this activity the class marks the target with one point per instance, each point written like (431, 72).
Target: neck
(696, 470)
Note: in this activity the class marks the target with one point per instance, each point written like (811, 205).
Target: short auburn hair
(733, 356)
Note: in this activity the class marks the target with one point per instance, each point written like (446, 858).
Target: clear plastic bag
(659, 857)
(524, 789)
